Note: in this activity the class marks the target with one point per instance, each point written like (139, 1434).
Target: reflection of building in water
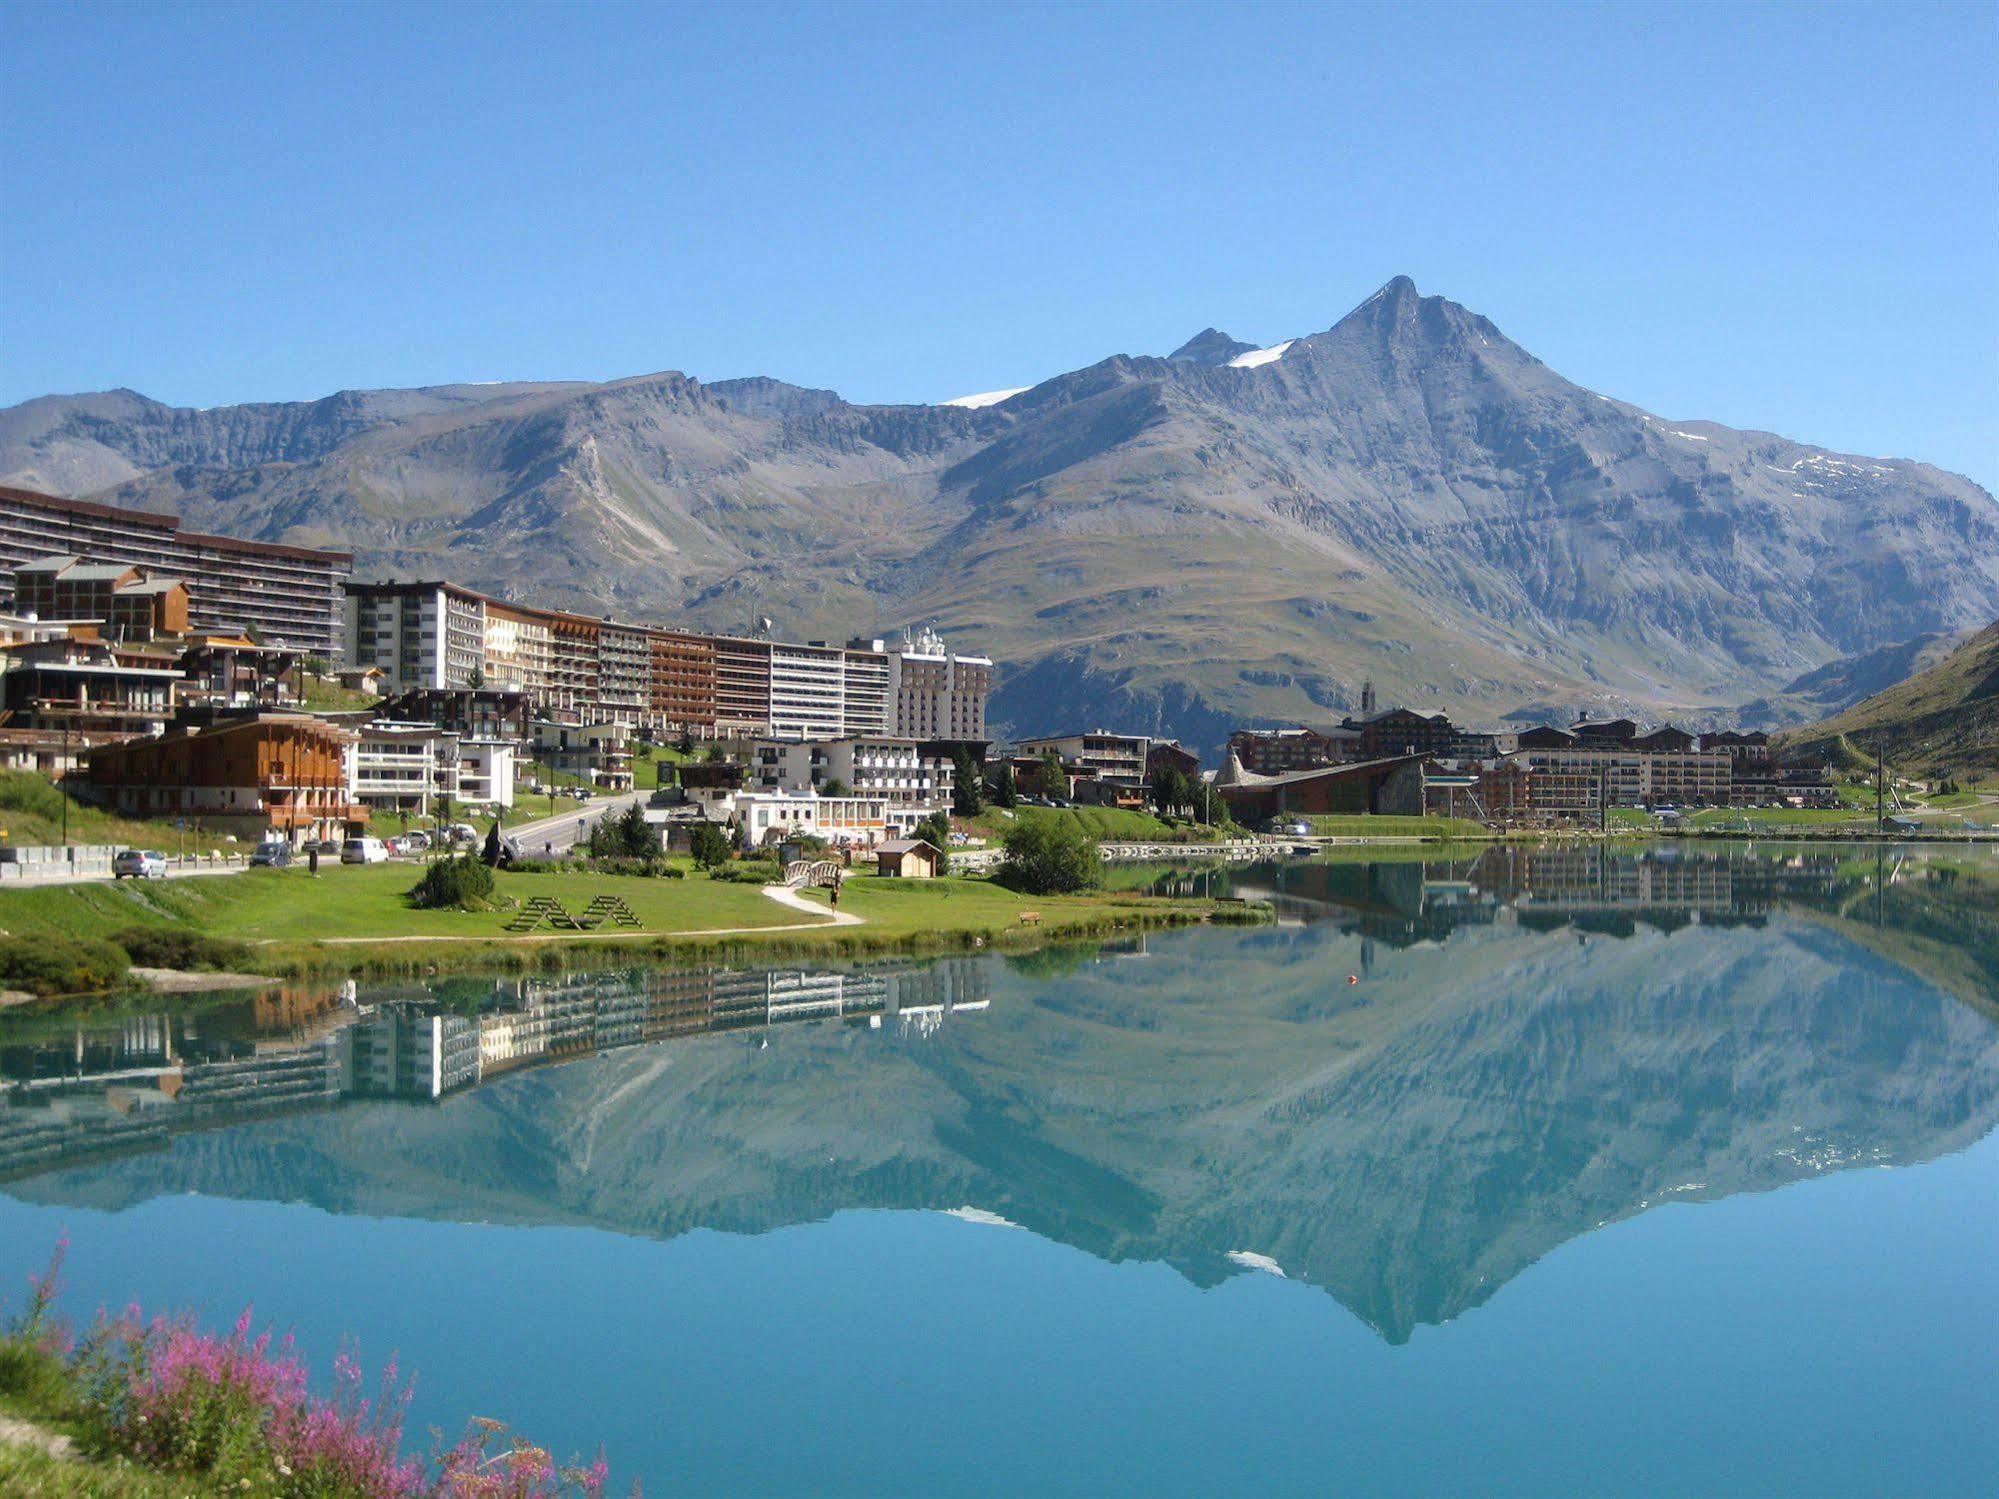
(1554, 884)
(132, 1084)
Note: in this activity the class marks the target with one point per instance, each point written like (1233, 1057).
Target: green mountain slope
(1943, 719)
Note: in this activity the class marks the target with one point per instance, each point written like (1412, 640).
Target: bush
(748, 872)
(175, 947)
(61, 965)
(1049, 856)
(547, 866)
(654, 868)
(462, 883)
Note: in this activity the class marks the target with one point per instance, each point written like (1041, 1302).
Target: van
(364, 851)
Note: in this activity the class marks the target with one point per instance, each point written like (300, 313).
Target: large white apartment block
(866, 675)
(867, 766)
(936, 695)
(808, 691)
(417, 635)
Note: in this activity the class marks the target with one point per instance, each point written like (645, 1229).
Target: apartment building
(1576, 780)
(742, 685)
(1271, 752)
(486, 772)
(1111, 759)
(288, 596)
(79, 684)
(418, 635)
(281, 772)
(865, 686)
(598, 753)
(437, 636)
(518, 650)
(894, 769)
(808, 691)
(680, 687)
(934, 694)
(403, 767)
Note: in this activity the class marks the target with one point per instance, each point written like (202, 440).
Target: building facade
(1111, 759)
(281, 773)
(283, 595)
(896, 770)
(934, 694)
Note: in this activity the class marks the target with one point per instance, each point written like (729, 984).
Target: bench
(1030, 918)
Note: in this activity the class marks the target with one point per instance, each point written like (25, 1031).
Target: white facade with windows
(936, 695)
(873, 765)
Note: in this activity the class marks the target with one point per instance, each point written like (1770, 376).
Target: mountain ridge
(1408, 496)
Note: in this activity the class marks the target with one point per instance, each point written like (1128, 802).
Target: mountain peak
(1210, 346)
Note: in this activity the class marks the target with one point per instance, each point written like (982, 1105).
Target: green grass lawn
(324, 695)
(366, 900)
(291, 917)
(1778, 817)
(1388, 826)
(31, 812)
(1105, 824)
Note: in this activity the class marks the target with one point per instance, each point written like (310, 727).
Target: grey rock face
(1408, 496)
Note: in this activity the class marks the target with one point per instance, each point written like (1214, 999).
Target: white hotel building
(868, 766)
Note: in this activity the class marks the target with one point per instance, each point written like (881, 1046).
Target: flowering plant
(239, 1410)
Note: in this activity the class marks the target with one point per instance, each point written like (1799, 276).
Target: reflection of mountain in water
(1409, 1143)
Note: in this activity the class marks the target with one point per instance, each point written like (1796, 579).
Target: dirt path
(779, 893)
(784, 895)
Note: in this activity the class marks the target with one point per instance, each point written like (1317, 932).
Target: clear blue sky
(1774, 217)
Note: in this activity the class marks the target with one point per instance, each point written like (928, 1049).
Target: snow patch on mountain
(1255, 357)
(986, 398)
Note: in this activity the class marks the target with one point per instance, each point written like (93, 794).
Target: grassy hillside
(31, 812)
(1943, 719)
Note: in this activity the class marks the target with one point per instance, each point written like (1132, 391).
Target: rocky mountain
(1944, 718)
(1174, 543)
(1841, 683)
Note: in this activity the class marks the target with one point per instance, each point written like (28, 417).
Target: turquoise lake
(1569, 1172)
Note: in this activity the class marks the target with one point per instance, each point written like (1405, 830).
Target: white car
(139, 864)
(364, 851)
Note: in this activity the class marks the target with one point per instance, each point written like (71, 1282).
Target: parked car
(271, 856)
(416, 839)
(461, 832)
(364, 851)
(325, 846)
(139, 864)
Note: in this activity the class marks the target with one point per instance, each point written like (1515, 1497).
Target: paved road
(570, 826)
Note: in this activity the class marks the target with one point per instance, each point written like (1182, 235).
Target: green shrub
(748, 872)
(653, 868)
(176, 947)
(1049, 856)
(463, 883)
(61, 965)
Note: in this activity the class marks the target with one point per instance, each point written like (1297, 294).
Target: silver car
(139, 864)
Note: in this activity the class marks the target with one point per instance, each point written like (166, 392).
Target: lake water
(1568, 1173)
